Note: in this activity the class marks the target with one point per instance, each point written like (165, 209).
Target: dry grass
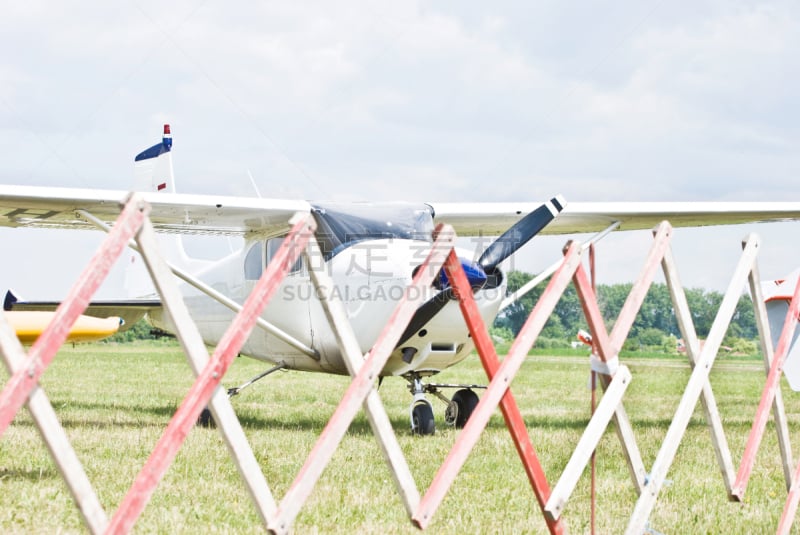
(115, 401)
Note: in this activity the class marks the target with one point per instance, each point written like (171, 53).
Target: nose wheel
(422, 422)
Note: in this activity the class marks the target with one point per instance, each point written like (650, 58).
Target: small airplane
(29, 324)
(777, 298)
(370, 251)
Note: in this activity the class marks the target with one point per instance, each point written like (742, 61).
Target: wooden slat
(778, 410)
(43, 351)
(508, 405)
(197, 355)
(588, 442)
(208, 380)
(361, 385)
(790, 507)
(619, 333)
(55, 437)
(376, 413)
(767, 397)
(694, 387)
(605, 349)
(683, 317)
(498, 387)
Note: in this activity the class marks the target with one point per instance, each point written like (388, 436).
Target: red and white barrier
(278, 517)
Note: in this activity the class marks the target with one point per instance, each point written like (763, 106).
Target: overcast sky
(456, 101)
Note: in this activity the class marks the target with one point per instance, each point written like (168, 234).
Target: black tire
(466, 400)
(422, 419)
(206, 419)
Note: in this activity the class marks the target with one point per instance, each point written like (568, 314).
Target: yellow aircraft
(29, 324)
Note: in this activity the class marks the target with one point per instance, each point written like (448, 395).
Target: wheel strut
(236, 389)
(206, 419)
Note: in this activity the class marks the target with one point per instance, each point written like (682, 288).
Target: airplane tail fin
(777, 296)
(153, 173)
(153, 167)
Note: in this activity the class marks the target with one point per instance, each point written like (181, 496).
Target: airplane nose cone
(475, 275)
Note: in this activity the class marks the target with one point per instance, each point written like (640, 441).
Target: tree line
(655, 324)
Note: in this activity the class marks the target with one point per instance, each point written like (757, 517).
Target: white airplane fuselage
(370, 278)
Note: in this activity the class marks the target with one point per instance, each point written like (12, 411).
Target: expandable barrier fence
(133, 224)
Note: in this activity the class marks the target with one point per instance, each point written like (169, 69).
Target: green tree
(514, 316)
(745, 318)
(566, 319)
(611, 298)
(656, 313)
(141, 330)
(652, 337)
(703, 307)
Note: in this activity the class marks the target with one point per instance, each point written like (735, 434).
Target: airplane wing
(470, 219)
(59, 208)
(29, 325)
(128, 310)
(44, 207)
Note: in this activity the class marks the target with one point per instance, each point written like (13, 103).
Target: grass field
(115, 400)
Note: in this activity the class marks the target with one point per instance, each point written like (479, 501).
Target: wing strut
(212, 293)
(534, 282)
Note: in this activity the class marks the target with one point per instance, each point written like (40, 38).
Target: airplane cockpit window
(272, 248)
(254, 262)
(340, 225)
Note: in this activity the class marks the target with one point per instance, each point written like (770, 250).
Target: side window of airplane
(254, 262)
(272, 248)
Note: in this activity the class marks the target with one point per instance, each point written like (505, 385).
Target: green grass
(115, 401)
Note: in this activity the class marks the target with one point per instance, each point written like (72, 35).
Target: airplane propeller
(518, 235)
(481, 274)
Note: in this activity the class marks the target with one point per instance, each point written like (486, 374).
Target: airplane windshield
(341, 225)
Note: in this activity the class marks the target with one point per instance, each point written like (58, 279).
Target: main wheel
(422, 419)
(465, 401)
(206, 419)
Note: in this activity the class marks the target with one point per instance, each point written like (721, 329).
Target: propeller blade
(519, 234)
(426, 312)
(476, 278)
(507, 244)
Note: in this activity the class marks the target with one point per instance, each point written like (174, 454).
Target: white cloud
(433, 100)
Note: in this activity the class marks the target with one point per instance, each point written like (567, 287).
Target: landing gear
(422, 418)
(206, 419)
(460, 407)
(422, 422)
(458, 411)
